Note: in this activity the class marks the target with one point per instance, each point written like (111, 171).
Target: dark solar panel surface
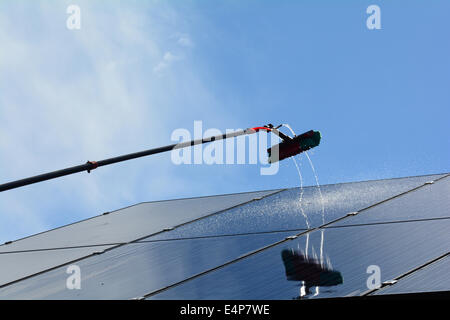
(430, 201)
(231, 247)
(132, 270)
(283, 211)
(394, 248)
(434, 277)
(120, 226)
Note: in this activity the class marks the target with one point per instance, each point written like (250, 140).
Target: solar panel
(428, 202)
(227, 247)
(393, 248)
(134, 269)
(15, 266)
(282, 211)
(434, 277)
(117, 227)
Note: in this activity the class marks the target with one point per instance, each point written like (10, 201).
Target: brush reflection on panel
(311, 272)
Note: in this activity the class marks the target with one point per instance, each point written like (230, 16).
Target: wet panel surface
(430, 201)
(282, 211)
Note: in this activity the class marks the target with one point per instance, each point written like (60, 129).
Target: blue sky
(137, 70)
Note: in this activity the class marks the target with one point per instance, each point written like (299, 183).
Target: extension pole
(91, 165)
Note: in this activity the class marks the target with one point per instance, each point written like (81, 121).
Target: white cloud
(169, 57)
(185, 41)
(167, 60)
(72, 96)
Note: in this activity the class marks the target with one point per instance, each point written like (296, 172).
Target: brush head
(299, 267)
(294, 146)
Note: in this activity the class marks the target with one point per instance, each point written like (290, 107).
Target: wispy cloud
(167, 60)
(72, 96)
(185, 40)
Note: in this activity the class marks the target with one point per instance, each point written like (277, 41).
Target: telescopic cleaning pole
(91, 165)
(287, 148)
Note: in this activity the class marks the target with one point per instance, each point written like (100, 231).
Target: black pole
(91, 165)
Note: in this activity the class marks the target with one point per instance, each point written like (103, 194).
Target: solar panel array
(361, 238)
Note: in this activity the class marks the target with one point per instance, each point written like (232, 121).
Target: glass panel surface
(435, 277)
(348, 254)
(284, 211)
(429, 201)
(15, 266)
(140, 220)
(120, 226)
(135, 269)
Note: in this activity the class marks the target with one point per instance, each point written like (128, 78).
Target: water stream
(322, 262)
(300, 202)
